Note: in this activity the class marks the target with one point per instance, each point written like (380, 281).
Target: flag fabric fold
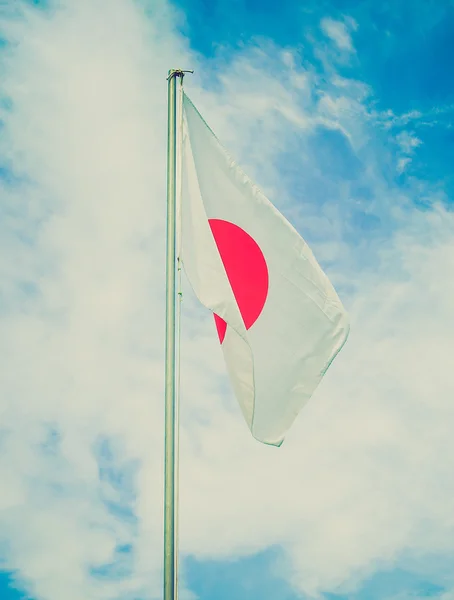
(279, 320)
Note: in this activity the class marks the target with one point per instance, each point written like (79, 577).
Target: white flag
(279, 319)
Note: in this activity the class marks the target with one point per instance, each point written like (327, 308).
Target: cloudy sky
(342, 112)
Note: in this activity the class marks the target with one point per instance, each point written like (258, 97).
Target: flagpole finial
(178, 73)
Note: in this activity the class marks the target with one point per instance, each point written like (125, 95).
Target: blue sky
(9, 591)
(342, 112)
(402, 51)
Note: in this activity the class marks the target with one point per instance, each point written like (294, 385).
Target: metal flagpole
(171, 424)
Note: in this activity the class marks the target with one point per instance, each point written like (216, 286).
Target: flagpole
(171, 399)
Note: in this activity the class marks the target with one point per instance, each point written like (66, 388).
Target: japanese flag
(279, 320)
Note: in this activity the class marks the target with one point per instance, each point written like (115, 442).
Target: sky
(342, 112)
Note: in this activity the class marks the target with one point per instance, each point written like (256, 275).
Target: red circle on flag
(246, 271)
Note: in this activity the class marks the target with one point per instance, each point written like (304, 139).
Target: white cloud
(339, 32)
(403, 163)
(408, 142)
(87, 129)
(366, 472)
